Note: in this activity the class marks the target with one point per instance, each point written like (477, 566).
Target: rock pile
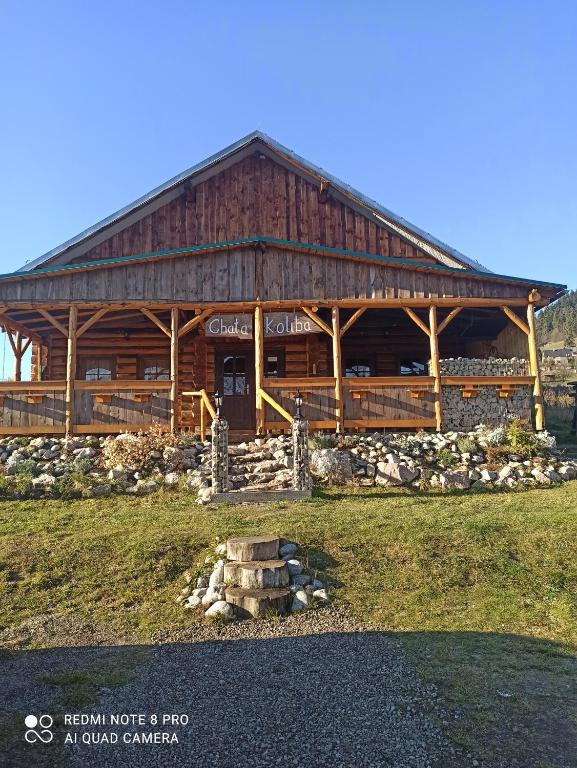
(253, 576)
(475, 460)
(52, 467)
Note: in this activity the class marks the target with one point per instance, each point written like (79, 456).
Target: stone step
(257, 574)
(245, 548)
(258, 602)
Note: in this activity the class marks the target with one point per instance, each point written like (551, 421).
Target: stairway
(256, 577)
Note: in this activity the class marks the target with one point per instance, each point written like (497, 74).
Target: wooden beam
(451, 316)
(174, 317)
(259, 367)
(278, 408)
(417, 320)
(18, 358)
(435, 366)
(91, 320)
(337, 369)
(7, 322)
(516, 319)
(153, 318)
(194, 322)
(26, 344)
(9, 333)
(54, 322)
(535, 368)
(70, 369)
(352, 320)
(314, 317)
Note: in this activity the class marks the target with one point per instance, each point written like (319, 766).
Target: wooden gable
(255, 196)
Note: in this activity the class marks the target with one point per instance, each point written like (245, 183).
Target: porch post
(18, 358)
(173, 369)
(71, 368)
(535, 368)
(337, 370)
(435, 367)
(259, 367)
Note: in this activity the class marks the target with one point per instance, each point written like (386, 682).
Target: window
(234, 380)
(155, 369)
(274, 364)
(408, 367)
(97, 368)
(358, 367)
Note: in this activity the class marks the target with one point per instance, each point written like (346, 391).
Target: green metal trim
(273, 241)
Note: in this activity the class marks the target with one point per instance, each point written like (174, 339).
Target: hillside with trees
(559, 322)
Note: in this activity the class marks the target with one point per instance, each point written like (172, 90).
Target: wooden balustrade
(32, 407)
(115, 406)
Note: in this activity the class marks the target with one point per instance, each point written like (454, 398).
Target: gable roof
(436, 248)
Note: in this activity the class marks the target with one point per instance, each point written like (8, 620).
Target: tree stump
(258, 602)
(257, 574)
(247, 548)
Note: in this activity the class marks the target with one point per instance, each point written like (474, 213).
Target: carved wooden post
(337, 372)
(219, 455)
(259, 368)
(435, 367)
(173, 369)
(301, 468)
(71, 368)
(535, 368)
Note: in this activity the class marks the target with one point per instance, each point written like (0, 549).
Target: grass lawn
(480, 588)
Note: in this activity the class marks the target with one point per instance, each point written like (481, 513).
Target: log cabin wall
(256, 196)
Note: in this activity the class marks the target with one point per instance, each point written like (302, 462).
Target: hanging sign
(275, 324)
(233, 326)
(289, 324)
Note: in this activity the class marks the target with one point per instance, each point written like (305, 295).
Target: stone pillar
(301, 469)
(219, 455)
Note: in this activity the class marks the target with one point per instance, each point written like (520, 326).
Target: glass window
(98, 369)
(155, 369)
(358, 367)
(234, 375)
(408, 367)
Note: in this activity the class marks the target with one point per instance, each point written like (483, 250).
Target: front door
(235, 380)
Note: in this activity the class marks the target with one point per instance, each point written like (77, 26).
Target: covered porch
(360, 364)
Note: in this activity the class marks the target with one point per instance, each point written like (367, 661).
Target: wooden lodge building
(257, 274)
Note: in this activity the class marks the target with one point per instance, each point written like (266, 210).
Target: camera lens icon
(38, 729)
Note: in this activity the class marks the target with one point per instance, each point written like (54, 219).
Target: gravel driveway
(311, 690)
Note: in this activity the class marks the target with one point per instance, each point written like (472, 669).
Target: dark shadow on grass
(333, 699)
(331, 493)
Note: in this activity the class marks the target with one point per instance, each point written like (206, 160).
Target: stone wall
(486, 407)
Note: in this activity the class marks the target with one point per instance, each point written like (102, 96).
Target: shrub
(446, 457)
(319, 440)
(521, 438)
(466, 445)
(134, 450)
(27, 467)
(5, 487)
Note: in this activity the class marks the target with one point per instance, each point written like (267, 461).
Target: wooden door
(235, 380)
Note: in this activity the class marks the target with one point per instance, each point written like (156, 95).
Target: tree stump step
(258, 602)
(257, 574)
(247, 548)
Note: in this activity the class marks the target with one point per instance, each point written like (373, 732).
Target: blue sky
(460, 116)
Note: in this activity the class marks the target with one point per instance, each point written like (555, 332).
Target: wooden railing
(114, 406)
(32, 407)
(318, 402)
(401, 402)
(205, 406)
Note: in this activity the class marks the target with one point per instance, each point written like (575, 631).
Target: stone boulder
(332, 465)
(394, 474)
